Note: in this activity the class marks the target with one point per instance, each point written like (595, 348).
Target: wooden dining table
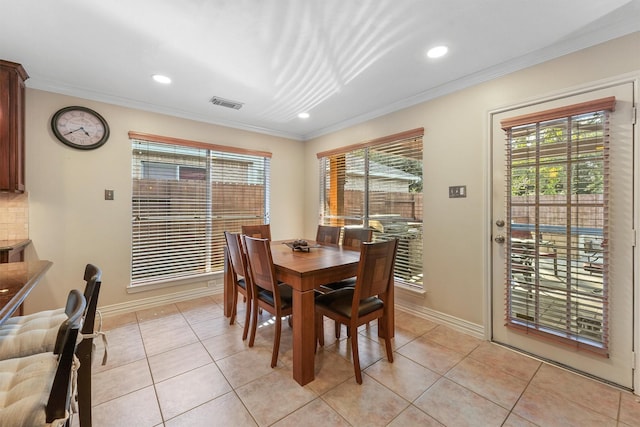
(17, 280)
(305, 271)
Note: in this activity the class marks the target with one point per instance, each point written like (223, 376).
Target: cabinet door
(12, 112)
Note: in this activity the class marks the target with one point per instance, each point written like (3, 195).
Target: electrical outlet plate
(457, 191)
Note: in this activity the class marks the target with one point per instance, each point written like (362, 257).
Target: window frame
(409, 269)
(218, 204)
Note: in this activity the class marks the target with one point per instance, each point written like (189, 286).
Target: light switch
(108, 194)
(457, 191)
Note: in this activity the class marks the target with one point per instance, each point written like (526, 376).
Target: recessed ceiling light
(161, 79)
(303, 115)
(437, 52)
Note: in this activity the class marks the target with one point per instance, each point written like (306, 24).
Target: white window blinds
(378, 184)
(557, 271)
(184, 196)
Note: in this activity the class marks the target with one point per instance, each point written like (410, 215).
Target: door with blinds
(563, 231)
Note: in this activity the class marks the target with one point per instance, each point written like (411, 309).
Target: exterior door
(563, 233)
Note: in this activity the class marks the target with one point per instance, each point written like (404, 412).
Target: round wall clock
(80, 127)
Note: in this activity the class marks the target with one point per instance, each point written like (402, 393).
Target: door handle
(499, 239)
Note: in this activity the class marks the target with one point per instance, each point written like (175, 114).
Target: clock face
(80, 127)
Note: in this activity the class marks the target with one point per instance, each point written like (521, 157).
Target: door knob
(499, 238)
(500, 223)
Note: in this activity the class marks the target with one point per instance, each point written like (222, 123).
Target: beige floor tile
(491, 383)
(453, 405)
(413, 416)
(331, 369)
(200, 310)
(366, 404)
(580, 390)
(116, 321)
(517, 421)
(509, 361)
(369, 351)
(274, 396)
(178, 361)
(246, 366)
(116, 382)
(215, 327)
(174, 345)
(156, 312)
(224, 411)
(139, 409)
(431, 355)
(221, 346)
(545, 407)
(124, 345)
(186, 391)
(314, 414)
(630, 409)
(454, 340)
(403, 376)
(156, 340)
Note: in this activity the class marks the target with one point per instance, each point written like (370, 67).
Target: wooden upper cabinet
(12, 116)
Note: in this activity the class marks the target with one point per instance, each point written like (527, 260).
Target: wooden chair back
(260, 263)
(60, 395)
(328, 235)
(353, 237)
(236, 255)
(375, 269)
(261, 231)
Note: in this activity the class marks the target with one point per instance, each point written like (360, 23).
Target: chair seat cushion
(25, 384)
(242, 283)
(30, 334)
(346, 283)
(286, 295)
(340, 302)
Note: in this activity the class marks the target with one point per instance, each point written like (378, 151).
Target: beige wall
(455, 153)
(71, 224)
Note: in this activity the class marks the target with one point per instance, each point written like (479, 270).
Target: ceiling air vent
(216, 100)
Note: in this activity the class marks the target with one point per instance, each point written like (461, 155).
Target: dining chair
(38, 389)
(262, 231)
(36, 333)
(273, 297)
(351, 239)
(361, 304)
(328, 235)
(240, 277)
(22, 336)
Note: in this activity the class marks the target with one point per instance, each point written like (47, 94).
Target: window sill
(410, 290)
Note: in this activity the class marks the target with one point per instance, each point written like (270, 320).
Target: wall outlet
(457, 191)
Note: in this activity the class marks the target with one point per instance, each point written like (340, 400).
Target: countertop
(10, 245)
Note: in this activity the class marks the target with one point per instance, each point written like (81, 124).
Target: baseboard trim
(145, 303)
(461, 325)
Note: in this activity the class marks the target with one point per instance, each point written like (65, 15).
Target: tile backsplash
(14, 216)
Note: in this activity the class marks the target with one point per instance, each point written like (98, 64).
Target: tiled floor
(184, 365)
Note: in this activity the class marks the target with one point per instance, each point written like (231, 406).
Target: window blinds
(557, 198)
(378, 184)
(184, 196)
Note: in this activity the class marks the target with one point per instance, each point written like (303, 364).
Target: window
(558, 176)
(184, 196)
(378, 184)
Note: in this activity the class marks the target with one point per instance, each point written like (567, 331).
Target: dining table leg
(304, 336)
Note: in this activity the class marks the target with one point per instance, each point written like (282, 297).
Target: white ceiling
(343, 61)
